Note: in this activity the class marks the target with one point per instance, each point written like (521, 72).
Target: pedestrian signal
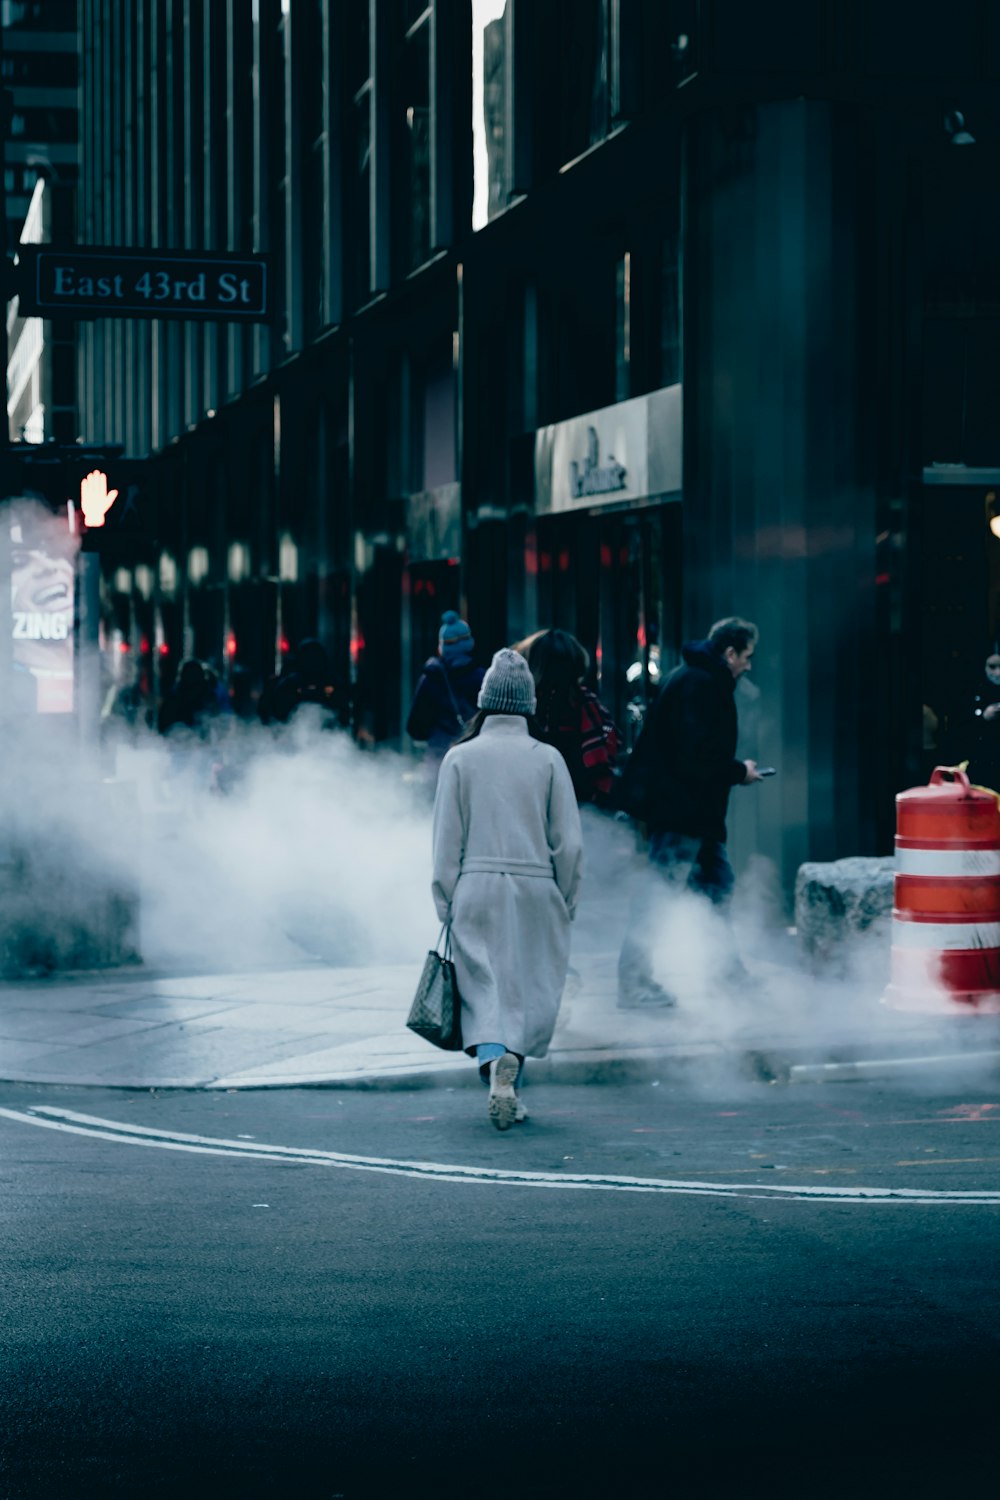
(95, 498)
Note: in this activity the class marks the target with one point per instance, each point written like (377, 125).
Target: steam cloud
(319, 852)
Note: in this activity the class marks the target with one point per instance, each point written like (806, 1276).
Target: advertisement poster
(41, 560)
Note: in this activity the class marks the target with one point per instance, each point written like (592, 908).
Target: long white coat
(507, 864)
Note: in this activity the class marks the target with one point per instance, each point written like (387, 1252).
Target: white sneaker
(520, 1113)
(503, 1100)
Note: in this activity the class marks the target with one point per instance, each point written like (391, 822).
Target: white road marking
(874, 1066)
(74, 1123)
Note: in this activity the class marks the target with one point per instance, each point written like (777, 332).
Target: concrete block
(65, 901)
(843, 910)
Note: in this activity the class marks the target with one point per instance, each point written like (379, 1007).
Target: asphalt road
(188, 1309)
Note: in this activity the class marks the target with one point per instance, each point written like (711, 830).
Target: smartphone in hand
(767, 771)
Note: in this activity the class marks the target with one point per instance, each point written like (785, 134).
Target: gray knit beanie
(508, 687)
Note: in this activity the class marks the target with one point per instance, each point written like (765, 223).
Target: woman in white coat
(507, 866)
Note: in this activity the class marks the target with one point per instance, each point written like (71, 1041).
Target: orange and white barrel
(946, 903)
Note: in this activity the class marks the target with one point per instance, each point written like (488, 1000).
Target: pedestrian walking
(445, 696)
(193, 718)
(684, 766)
(981, 743)
(310, 680)
(193, 705)
(507, 866)
(571, 718)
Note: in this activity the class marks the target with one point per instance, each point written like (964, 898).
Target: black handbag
(436, 1012)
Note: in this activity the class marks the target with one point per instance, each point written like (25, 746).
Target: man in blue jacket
(686, 758)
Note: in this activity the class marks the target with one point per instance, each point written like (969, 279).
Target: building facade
(38, 68)
(620, 315)
(39, 54)
(41, 368)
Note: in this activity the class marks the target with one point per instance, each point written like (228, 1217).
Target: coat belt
(484, 864)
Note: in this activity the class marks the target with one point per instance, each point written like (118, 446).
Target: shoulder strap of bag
(451, 695)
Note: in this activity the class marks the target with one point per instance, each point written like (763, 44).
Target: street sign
(93, 282)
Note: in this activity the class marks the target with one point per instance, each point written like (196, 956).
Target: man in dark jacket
(687, 757)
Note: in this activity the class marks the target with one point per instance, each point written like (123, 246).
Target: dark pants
(681, 863)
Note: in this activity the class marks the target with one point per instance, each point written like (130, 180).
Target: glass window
(357, 66)
(489, 108)
(412, 177)
(437, 438)
(48, 70)
(571, 89)
(623, 338)
(313, 168)
(670, 314)
(38, 15)
(361, 144)
(275, 120)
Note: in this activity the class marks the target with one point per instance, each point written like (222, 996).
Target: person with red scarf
(571, 718)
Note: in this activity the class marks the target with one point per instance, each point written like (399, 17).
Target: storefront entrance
(614, 580)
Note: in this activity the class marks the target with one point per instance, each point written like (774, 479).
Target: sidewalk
(342, 1027)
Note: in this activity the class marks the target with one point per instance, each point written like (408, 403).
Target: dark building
(506, 236)
(39, 53)
(41, 365)
(39, 78)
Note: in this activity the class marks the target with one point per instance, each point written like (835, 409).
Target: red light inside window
(230, 644)
(283, 646)
(164, 649)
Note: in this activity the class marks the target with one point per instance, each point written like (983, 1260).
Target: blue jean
(486, 1052)
(681, 863)
(697, 864)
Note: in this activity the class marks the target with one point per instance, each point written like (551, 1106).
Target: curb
(761, 1063)
(639, 1065)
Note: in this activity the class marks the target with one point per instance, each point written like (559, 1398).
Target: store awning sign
(589, 476)
(615, 456)
(593, 459)
(92, 282)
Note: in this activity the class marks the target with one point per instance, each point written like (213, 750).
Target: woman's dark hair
(479, 718)
(558, 664)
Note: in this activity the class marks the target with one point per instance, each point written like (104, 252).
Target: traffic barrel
(946, 902)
